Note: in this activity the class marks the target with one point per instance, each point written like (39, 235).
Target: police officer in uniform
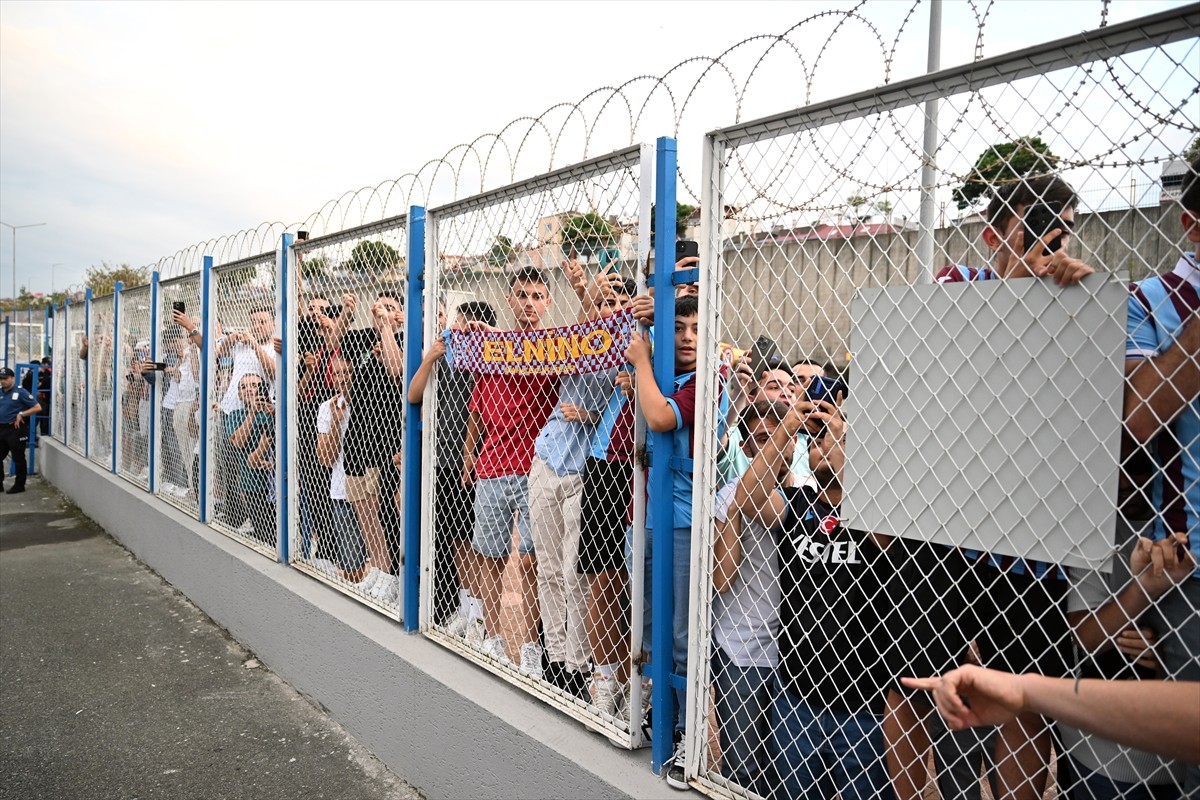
(16, 407)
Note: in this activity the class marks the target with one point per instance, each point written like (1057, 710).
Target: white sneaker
(324, 565)
(495, 648)
(475, 634)
(531, 660)
(144, 475)
(606, 693)
(368, 583)
(386, 590)
(457, 626)
(247, 529)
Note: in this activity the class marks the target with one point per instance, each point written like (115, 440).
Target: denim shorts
(497, 500)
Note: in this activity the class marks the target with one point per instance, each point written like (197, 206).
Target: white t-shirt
(337, 480)
(746, 615)
(182, 388)
(245, 362)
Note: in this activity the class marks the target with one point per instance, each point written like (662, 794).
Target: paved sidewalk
(113, 685)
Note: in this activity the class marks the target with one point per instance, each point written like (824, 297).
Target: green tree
(884, 207)
(855, 203)
(372, 257)
(1193, 152)
(313, 267)
(501, 253)
(683, 213)
(588, 234)
(1004, 163)
(103, 279)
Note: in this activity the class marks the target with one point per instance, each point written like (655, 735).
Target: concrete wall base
(444, 725)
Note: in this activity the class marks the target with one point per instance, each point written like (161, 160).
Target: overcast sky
(137, 129)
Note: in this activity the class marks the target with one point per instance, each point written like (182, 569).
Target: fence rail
(417, 410)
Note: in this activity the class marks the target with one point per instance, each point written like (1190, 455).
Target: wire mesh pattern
(531, 507)
(73, 367)
(806, 620)
(825, 360)
(241, 433)
(135, 382)
(58, 377)
(178, 393)
(348, 379)
(101, 366)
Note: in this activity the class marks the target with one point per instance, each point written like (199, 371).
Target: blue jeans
(1179, 647)
(827, 754)
(349, 547)
(681, 581)
(744, 696)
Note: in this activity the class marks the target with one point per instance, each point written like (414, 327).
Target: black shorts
(933, 619)
(607, 494)
(1022, 621)
(453, 505)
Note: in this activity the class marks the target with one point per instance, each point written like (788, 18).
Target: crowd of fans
(814, 623)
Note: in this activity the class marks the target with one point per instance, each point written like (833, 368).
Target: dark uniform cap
(7, 373)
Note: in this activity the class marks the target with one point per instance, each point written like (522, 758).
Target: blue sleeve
(1141, 341)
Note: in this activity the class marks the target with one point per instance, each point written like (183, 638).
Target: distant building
(1171, 180)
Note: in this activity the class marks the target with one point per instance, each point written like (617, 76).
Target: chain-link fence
(975, 427)
(101, 367)
(528, 465)
(179, 406)
(866, 319)
(73, 367)
(135, 384)
(243, 395)
(347, 417)
(58, 376)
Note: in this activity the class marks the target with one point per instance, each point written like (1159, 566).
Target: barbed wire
(682, 100)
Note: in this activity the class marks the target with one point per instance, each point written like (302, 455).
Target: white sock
(606, 670)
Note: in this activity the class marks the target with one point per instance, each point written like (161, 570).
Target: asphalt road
(113, 685)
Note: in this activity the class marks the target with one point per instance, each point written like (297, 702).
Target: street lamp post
(14, 229)
(52, 266)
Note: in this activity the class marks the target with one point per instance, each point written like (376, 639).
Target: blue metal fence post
(35, 367)
(6, 327)
(152, 441)
(206, 351)
(116, 370)
(414, 348)
(87, 375)
(659, 484)
(62, 361)
(46, 329)
(284, 391)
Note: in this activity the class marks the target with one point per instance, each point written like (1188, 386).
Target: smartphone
(610, 259)
(159, 366)
(764, 355)
(301, 236)
(335, 310)
(686, 248)
(1040, 219)
(179, 306)
(826, 389)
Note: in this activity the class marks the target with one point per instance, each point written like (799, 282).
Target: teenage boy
(453, 501)
(1162, 414)
(333, 420)
(605, 512)
(555, 502)
(838, 588)
(373, 436)
(1013, 608)
(746, 617)
(672, 414)
(506, 413)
